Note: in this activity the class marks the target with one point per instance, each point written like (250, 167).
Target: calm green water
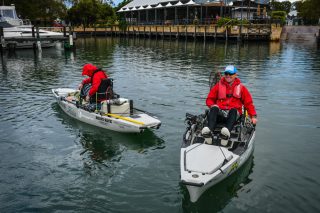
(52, 163)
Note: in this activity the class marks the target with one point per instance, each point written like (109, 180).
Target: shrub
(279, 15)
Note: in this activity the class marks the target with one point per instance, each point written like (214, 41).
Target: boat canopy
(8, 12)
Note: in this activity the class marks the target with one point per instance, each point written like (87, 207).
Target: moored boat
(20, 33)
(115, 114)
(207, 159)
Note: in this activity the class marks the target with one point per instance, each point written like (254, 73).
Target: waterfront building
(164, 12)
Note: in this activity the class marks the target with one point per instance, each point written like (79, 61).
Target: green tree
(39, 10)
(309, 10)
(281, 6)
(122, 22)
(279, 15)
(123, 3)
(89, 12)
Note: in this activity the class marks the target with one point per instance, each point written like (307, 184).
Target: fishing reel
(198, 120)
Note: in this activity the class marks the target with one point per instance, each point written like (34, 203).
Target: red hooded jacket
(234, 96)
(95, 77)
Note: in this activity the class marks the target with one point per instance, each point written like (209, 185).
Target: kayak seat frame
(240, 131)
(105, 90)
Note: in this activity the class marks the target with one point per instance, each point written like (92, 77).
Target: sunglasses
(228, 73)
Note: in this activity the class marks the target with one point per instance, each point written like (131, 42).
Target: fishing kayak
(207, 159)
(116, 114)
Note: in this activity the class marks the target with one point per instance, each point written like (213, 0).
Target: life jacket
(222, 92)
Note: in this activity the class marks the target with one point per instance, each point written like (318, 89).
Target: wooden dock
(34, 38)
(246, 32)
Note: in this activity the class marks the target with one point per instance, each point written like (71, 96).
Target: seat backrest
(105, 90)
(105, 84)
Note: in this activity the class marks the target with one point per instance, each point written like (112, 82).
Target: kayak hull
(206, 158)
(136, 123)
(197, 182)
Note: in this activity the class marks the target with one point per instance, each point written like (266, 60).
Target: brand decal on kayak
(103, 119)
(233, 167)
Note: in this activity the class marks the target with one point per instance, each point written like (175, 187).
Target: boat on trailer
(207, 159)
(115, 114)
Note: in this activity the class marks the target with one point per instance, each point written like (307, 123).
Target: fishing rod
(214, 78)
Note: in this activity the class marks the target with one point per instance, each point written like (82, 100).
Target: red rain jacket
(95, 77)
(227, 96)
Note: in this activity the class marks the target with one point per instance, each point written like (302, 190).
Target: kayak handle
(192, 184)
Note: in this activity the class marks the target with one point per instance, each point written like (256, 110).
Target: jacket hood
(88, 69)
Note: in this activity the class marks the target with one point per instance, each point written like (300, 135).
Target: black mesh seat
(105, 90)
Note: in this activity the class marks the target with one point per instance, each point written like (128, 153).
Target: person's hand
(254, 120)
(80, 86)
(87, 98)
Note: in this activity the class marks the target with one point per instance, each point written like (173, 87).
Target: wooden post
(71, 43)
(38, 39)
(240, 32)
(64, 31)
(185, 31)
(205, 32)
(33, 34)
(162, 31)
(195, 31)
(34, 45)
(215, 32)
(177, 36)
(2, 40)
(226, 33)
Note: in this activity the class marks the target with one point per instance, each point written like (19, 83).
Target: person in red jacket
(90, 86)
(226, 100)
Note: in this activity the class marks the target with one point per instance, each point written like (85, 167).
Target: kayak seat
(105, 90)
(235, 134)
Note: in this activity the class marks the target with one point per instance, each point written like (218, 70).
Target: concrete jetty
(300, 33)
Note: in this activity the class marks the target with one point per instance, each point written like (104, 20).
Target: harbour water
(50, 162)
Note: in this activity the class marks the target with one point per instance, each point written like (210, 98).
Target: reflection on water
(51, 162)
(218, 197)
(104, 146)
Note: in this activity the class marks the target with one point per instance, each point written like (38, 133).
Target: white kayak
(204, 161)
(116, 114)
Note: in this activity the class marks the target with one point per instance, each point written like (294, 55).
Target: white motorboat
(116, 114)
(206, 159)
(9, 15)
(19, 31)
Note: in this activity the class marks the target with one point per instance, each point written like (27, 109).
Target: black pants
(216, 115)
(85, 90)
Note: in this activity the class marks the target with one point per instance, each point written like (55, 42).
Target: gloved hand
(254, 120)
(87, 98)
(80, 86)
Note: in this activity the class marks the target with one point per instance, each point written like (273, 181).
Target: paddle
(124, 118)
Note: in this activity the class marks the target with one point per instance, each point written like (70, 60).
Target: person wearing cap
(90, 86)
(226, 100)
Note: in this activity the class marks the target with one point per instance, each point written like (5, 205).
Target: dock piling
(2, 40)
(38, 39)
